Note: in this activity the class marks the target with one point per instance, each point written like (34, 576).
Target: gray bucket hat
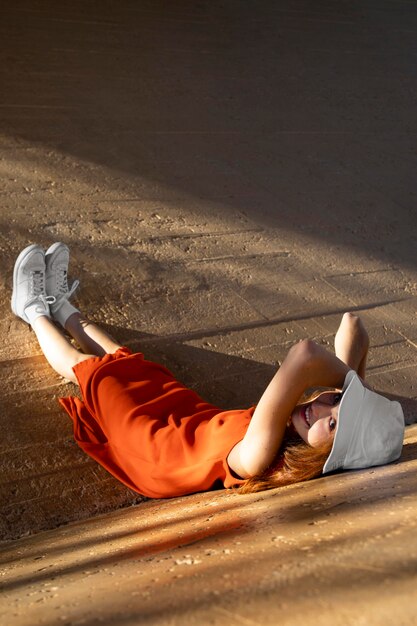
(370, 429)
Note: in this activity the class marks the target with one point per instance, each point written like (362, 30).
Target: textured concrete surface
(230, 177)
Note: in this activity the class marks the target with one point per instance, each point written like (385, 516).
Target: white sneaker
(57, 261)
(29, 299)
(56, 279)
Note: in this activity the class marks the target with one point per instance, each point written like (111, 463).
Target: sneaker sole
(22, 257)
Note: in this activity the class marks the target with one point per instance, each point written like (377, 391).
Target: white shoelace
(62, 284)
(73, 289)
(61, 281)
(37, 289)
(37, 285)
(41, 299)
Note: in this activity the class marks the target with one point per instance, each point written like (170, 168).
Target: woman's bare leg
(351, 343)
(89, 336)
(60, 354)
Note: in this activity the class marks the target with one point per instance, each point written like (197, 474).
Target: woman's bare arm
(351, 343)
(306, 365)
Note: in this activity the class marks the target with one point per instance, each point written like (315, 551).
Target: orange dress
(148, 430)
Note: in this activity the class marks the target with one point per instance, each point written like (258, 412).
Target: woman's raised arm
(306, 365)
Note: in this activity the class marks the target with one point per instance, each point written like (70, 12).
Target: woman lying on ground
(161, 439)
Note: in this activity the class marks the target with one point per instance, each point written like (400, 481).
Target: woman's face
(316, 422)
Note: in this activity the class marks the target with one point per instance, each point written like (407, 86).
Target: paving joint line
(412, 343)
(239, 257)
(389, 269)
(371, 371)
(201, 235)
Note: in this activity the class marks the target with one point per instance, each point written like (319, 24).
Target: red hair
(298, 462)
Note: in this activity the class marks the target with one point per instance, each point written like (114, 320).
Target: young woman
(161, 439)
